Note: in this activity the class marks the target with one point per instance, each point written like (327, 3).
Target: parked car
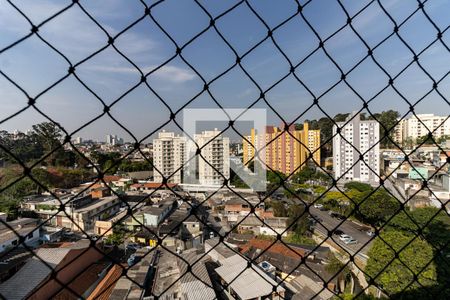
(318, 205)
(370, 233)
(344, 237)
(333, 214)
(340, 217)
(338, 232)
(350, 241)
(133, 246)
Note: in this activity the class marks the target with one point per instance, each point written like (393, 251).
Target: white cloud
(168, 73)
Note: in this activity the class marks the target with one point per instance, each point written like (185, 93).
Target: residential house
(235, 274)
(274, 226)
(155, 214)
(149, 187)
(100, 192)
(35, 281)
(105, 227)
(170, 284)
(236, 207)
(80, 213)
(289, 260)
(26, 228)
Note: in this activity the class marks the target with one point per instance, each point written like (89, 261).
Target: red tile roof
(104, 289)
(155, 185)
(109, 178)
(278, 247)
(81, 283)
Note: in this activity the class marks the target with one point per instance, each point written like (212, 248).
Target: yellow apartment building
(285, 151)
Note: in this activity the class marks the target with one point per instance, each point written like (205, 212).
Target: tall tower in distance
(169, 156)
(356, 150)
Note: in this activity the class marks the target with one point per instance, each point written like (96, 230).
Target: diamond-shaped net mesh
(402, 248)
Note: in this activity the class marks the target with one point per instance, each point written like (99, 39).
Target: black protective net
(403, 254)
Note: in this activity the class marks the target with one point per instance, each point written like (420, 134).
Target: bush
(359, 186)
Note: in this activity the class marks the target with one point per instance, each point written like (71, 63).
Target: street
(328, 223)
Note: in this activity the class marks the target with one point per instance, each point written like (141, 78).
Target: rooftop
(200, 285)
(127, 289)
(219, 247)
(96, 204)
(277, 247)
(81, 283)
(33, 273)
(7, 234)
(248, 283)
(105, 287)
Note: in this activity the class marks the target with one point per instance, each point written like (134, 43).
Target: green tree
(397, 272)
(377, 208)
(408, 143)
(298, 218)
(116, 238)
(48, 135)
(443, 139)
(303, 175)
(359, 186)
(388, 120)
(336, 267)
(341, 117)
(25, 147)
(426, 139)
(279, 208)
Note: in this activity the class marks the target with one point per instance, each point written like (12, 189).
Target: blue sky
(35, 66)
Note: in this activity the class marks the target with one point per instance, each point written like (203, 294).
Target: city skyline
(110, 75)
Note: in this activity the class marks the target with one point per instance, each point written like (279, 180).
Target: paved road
(328, 223)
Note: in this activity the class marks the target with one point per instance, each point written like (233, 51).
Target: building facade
(285, 151)
(216, 153)
(169, 156)
(356, 138)
(421, 125)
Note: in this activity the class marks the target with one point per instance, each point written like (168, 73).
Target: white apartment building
(415, 127)
(216, 153)
(356, 137)
(169, 156)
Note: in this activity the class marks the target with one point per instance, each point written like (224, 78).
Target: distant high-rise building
(113, 140)
(78, 140)
(109, 139)
(217, 154)
(285, 151)
(168, 156)
(356, 150)
(421, 125)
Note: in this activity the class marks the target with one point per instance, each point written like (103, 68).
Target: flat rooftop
(248, 283)
(96, 204)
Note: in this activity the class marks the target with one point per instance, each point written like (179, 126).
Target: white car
(350, 241)
(344, 237)
(318, 205)
(370, 233)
